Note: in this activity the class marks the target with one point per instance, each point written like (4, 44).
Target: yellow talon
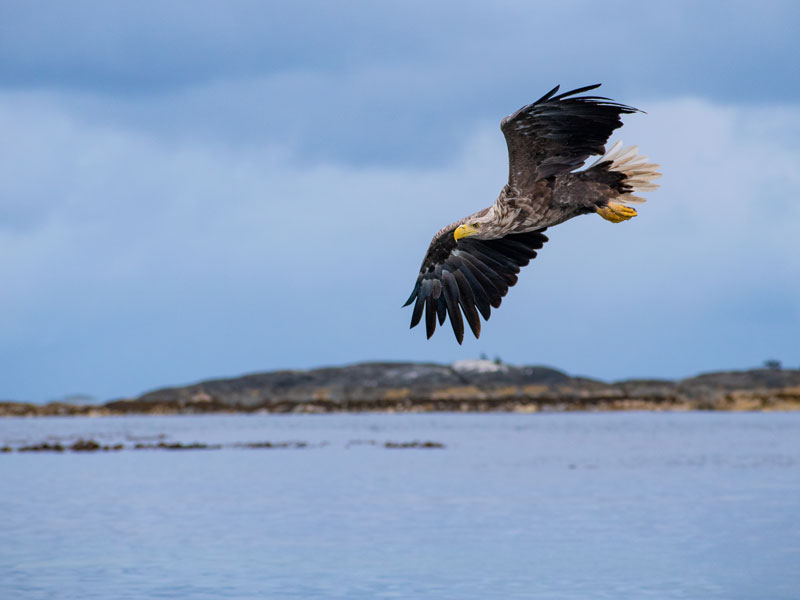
(616, 213)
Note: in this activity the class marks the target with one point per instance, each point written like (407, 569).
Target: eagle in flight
(471, 263)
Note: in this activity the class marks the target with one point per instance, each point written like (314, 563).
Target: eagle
(471, 263)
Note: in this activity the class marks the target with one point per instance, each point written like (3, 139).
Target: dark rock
(272, 445)
(744, 380)
(413, 445)
(177, 446)
(93, 446)
(43, 447)
(85, 446)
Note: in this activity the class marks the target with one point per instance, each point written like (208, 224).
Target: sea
(476, 506)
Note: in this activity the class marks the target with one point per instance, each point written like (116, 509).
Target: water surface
(610, 505)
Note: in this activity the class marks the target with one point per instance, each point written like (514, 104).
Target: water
(612, 505)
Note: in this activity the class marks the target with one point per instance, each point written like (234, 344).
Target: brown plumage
(471, 263)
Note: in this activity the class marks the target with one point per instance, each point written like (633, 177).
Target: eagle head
(467, 229)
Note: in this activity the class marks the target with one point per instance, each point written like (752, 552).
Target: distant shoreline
(465, 386)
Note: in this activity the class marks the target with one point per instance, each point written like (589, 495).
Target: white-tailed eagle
(471, 263)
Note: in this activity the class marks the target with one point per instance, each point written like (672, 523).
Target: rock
(464, 386)
(43, 447)
(413, 445)
(273, 445)
(85, 446)
(177, 446)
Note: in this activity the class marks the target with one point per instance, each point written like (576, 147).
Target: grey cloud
(711, 48)
(156, 46)
(368, 83)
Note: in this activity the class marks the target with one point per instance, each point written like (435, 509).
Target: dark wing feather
(469, 276)
(556, 134)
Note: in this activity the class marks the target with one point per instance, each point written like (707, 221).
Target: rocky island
(465, 386)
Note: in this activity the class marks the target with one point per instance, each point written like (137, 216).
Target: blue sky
(203, 189)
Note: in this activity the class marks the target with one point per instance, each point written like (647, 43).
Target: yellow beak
(464, 231)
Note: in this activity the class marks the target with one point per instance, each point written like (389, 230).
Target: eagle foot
(616, 213)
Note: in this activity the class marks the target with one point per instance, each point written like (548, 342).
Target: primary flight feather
(471, 263)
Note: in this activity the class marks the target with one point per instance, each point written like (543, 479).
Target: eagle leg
(616, 213)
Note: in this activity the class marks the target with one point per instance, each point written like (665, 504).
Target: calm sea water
(625, 505)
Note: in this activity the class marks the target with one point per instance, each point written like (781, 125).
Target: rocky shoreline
(464, 386)
(82, 445)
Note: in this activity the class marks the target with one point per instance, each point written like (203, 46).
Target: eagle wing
(468, 275)
(556, 134)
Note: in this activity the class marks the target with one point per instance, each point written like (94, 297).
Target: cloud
(149, 47)
(386, 83)
(132, 259)
(197, 259)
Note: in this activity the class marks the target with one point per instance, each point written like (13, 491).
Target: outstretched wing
(468, 275)
(556, 134)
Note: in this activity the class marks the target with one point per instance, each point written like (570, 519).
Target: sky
(204, 189)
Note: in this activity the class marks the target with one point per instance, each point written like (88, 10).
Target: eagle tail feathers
(639, 173)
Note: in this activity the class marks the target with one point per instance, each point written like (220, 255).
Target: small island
(464, 386)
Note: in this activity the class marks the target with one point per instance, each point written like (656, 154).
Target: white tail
(638, 172)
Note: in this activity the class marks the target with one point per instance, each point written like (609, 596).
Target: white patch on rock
(478, 366)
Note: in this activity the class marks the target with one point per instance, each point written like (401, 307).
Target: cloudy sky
(203, 189)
